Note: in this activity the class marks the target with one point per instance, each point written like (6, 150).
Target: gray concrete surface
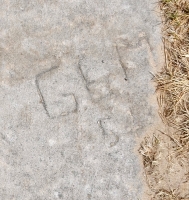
(75, 89)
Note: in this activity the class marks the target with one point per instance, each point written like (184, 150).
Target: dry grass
(173, 81)
(166, 156)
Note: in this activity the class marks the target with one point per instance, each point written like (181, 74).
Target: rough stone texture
(75, 85)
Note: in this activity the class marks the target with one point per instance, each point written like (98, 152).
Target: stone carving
(55, 103)
(64, 54)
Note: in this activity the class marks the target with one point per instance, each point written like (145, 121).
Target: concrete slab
(75, 89)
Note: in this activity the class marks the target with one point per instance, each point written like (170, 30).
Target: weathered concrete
(75, 85)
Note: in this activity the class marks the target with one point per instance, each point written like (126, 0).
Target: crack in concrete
(122, 64)
(81, 72)
(39, 90)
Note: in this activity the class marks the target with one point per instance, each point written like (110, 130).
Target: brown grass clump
(166, 155)
(173, 81)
